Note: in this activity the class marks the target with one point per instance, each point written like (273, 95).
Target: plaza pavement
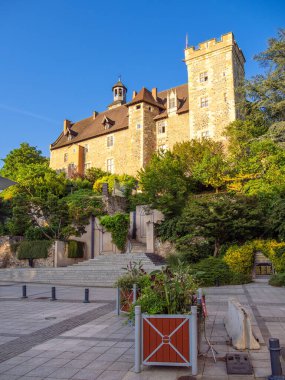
(68, 339)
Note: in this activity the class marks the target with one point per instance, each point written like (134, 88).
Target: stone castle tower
(123, 138)
(215, 70)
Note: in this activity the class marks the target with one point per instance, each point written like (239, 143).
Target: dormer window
(108, 123)
(172, 101)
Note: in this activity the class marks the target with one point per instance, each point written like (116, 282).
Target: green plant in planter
(171, 292)
(135, 274)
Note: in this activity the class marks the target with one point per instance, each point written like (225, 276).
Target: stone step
(101, 271)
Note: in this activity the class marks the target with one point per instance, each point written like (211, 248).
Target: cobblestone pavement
(67, 339)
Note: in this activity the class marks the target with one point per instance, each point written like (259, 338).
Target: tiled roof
(89, 128)
(145, 96)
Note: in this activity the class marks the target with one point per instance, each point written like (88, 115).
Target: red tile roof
(89, 128)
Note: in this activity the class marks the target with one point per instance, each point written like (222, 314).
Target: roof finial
(186, 41)
(120, 77)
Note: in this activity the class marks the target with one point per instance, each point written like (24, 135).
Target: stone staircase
(101, 271)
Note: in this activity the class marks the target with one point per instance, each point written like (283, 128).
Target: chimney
(134, 94)
(66, 126)
(154, 93)
(95, 113)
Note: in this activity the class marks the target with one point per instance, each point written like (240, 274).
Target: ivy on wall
(118, 225)
(75, 249)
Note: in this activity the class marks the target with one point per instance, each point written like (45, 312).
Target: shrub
(193, 249)
(118, 225)
(241, 258)
(277, 279)
(127, 183)
(37, 249)
(212, 271)
(75, 249)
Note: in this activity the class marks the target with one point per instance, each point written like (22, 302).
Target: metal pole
(137, 339)
(24, 291)
(194, 341)
(53, 294)
(200, 294)
(134, 293)
(118, 300)
(274, 348)
(86, 298)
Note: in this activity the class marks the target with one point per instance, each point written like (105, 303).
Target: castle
(123, 138)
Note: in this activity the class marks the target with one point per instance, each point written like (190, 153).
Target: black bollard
(53, 295)
(274, 349)
(24, 291)
(86, 299)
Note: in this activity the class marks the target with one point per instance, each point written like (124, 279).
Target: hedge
(36, 249)
(240, 259)
(75, 249)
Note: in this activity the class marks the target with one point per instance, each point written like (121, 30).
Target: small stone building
(123, 138)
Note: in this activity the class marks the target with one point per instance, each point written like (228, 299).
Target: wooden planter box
(166, 340)
(126, 300)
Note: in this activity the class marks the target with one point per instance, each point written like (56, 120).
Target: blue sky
(60, 58)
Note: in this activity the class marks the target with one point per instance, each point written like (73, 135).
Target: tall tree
(266, 92)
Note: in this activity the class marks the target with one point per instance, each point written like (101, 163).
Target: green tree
(19, 158)
(165, 184)
(222, 218)
(266, 92)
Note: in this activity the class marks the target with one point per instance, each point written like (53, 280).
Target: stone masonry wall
(8, 258)
(222, 67)
(177, 130)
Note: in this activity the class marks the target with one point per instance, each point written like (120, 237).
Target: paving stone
(64, 373)
(19, 370)
(121, 366)
(99, 364)
(74, 363)
(87, 374)
(56, 362)
(112, 375)
(41, 371)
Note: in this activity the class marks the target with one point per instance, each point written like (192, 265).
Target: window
(65, 157)
(204, 102)
(139, 126)
(150, 109)
(74, 150)
(110, 165)
(110, 141)
(120, 92)
(138, 107)
(161, 127)
(87, 166)
(205, 134)
(86, 148)
(203, 76)
(69, 137)
(172, 103)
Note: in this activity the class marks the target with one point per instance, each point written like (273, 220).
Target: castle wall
(176, 130)
(223, 64)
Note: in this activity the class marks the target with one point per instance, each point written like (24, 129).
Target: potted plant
(135, 275)
(168, 323)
